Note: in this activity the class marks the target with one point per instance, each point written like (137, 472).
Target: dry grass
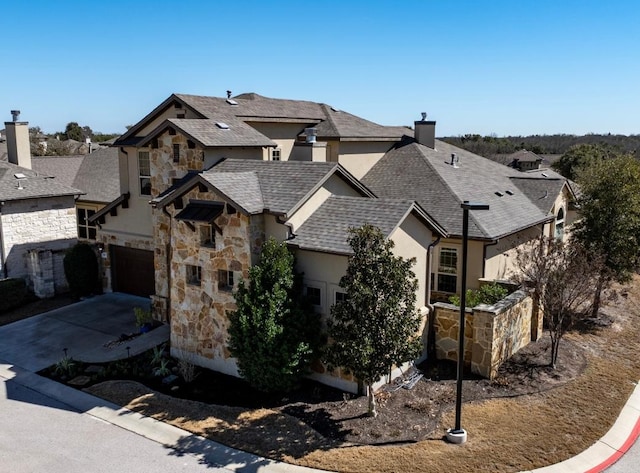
(504, 434)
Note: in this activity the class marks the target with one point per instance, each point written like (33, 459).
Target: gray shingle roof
(96, 174)
(252, 107)
(327, 229)
(282, 183)
(416, 172)
(541, 186)
(35, 185)
(243, 188)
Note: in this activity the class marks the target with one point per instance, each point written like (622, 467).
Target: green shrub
(13, 292)
(487, 294)
(143, 316)
(81, 270)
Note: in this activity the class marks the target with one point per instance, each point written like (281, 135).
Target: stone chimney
(18, 146)
(425, 132)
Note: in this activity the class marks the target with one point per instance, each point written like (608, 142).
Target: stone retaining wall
(492, 333)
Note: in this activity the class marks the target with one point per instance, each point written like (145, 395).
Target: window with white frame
(86, 230)
(194, 275)
(447, 270)
(559, 230)
(144, 172)
(276, 154)
(339, 296)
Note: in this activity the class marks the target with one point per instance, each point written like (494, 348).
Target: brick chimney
(425, 132)
(18, 146)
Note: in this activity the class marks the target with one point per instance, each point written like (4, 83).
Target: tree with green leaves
(376, 326)
(610, 218)
(273, 334)
(581, 156)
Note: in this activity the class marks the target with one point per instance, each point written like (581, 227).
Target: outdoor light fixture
(458, 434)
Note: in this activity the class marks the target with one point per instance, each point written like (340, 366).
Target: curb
(610, 448)
(209, 452)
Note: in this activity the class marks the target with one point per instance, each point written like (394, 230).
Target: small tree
(610, 218)
(562, 279)
(581, 156)
(376, 326)
(273, 333)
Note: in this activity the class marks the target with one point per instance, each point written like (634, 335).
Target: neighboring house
(524, 160)
(96, 174)
(37, 218)
(222, 175)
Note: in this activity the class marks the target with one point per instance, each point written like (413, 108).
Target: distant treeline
(490, 146)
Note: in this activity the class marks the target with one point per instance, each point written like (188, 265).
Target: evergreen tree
(376, 326)
(273, 333)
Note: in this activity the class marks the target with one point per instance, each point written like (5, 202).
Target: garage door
(132, 271)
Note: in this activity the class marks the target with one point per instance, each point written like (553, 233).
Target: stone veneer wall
(42, 225)
(492, 333)
(198, 313)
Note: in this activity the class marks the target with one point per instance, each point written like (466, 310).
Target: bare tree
(562, 279)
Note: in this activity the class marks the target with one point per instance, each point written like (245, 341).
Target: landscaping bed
(528, 417)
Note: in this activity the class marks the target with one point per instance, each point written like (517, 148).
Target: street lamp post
(458, 434)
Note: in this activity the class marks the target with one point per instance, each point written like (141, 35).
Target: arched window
(559, 233)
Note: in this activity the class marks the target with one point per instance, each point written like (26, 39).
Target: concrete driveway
(85, 329)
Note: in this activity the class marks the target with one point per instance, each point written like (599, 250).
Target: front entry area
(132, 271)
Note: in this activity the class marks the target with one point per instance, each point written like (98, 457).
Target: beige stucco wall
(284, 134)
(359, 157)
(475, 263)
(335, 185)
(213, 155)
(501, 257)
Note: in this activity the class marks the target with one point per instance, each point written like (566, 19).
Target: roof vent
(424, 116)
(222, 125)
(544, 174)
(15, 114)
(19, 175)
(508, 192)
(454, 160)
(498, 193)
(232, 102)
(311, 134)
(228, 94)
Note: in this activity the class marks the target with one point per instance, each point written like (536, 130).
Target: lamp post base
(456, 436)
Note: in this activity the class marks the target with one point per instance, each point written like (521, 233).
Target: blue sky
(489, 67)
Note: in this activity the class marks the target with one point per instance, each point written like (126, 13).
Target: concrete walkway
(84, 329)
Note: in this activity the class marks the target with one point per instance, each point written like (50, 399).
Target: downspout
(431, 336)
(5, 272)
(169, 252)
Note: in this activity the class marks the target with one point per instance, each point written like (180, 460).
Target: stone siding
(198, 313)
(164, 170)
(492, 333)
(38, 225)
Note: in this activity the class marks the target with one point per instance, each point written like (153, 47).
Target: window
(144, 172)
(176, 153)
(447, 278)
(225, 280)
(207, 236)
(559, 230)
(86, 230)
(275, 154)
(194, 275)
(340, 296)
(315, 295)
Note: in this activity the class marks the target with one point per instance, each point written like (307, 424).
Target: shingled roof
(414, 171)
(327, 229)
(34, 185)
(541, 186)
(250, 107)
(258, 186)
(96, 174)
